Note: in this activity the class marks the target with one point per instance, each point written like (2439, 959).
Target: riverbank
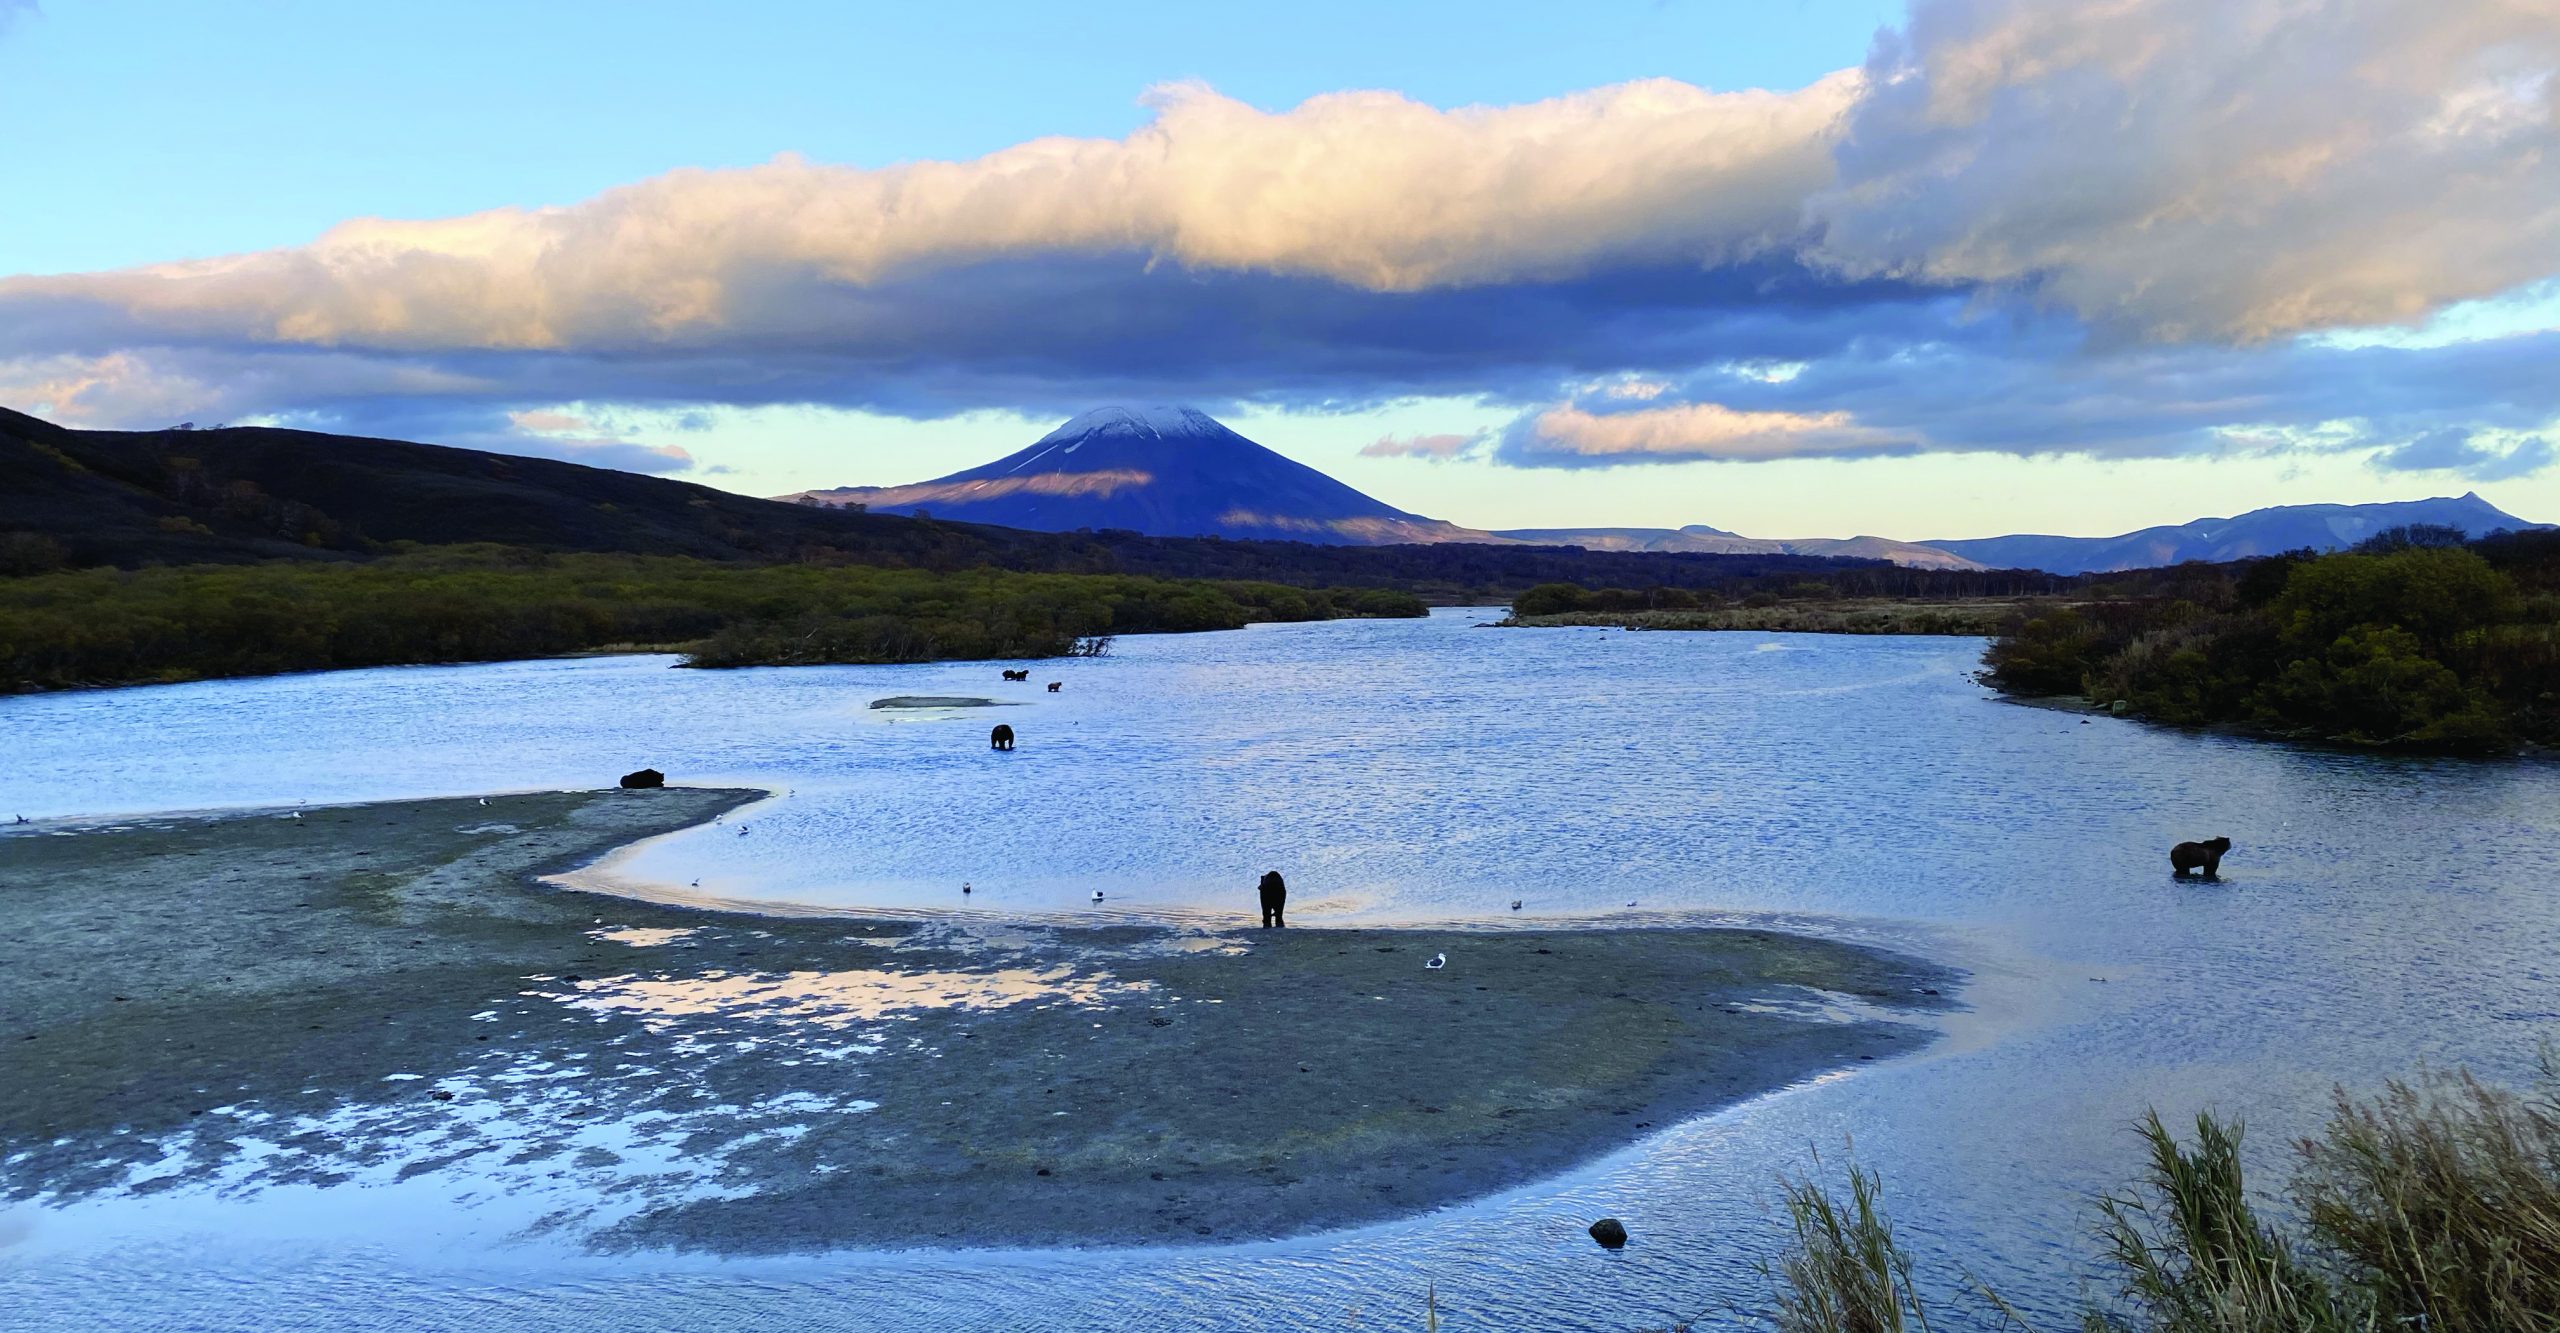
(382, 995)
(1882, 615)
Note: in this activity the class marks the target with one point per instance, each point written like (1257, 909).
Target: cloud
(2035, 390)
(2208, 169)
(2020, 227)
(574, 439)
(1568, 435)
(1437, 448)
(2456, 449)
(13, 10)
(1369, 190)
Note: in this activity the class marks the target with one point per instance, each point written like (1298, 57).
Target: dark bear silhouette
(647, 777)
(1275, 895)
(2205, 856)
(1001, 738)
(1024, 674)
(1053, 685)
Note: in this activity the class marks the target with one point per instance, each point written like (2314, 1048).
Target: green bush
(2411, 643)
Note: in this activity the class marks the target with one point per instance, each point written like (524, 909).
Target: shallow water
(2374, 913)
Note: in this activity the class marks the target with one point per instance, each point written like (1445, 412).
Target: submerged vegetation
(2435, 1205)
(468, 604)
(2416, 639)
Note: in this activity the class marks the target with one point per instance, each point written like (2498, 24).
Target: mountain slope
(1716, 541)
(169, 497)
(2322, 527)
(1166, 471)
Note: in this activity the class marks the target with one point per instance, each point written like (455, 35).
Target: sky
(1790, 268)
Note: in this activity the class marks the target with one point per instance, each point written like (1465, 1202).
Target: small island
(393, 979)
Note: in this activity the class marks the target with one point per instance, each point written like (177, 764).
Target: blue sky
(1965, 267)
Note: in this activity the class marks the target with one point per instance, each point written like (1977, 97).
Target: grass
(2193, 1256)
(106, 626)
(1844, 1273)
(2443, 1196)
(2432, 1206)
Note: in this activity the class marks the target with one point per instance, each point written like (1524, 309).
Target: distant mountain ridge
(1163, 471)
(2321, 527)
(1716, 541)
(1178, 472)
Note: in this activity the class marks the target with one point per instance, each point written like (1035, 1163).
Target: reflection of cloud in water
(643, 937)
(837, 998)
(1814, 1005)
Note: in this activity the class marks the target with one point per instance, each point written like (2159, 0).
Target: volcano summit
(1163, 471)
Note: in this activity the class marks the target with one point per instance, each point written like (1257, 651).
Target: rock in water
(647, 777)
(1610, 1232)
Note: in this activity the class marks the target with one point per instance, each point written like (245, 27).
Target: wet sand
(386, 994)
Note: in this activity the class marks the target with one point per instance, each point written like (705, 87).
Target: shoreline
(1965, 619)
(392, 991)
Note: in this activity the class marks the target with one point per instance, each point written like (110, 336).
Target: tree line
(2415, 639)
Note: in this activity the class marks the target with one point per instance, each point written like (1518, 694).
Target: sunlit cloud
(2209, 169)
(1437, 448)
(1692, 430)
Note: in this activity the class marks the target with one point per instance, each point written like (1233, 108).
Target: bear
(2205, 856)
(1053, 685)
(1275, 899)
(1024, 674)
(647, 777)
(1001, 738)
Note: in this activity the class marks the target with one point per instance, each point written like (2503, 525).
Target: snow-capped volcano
(1164, 471)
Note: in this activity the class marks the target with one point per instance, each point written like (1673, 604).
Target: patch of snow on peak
(1159, 420)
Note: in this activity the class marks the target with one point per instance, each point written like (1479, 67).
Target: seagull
(484, 800)
(742, 832)
(1438, 961)
(297, 814)
(22, 819)
(1631, 902)
(1097, 895)
(964, 887)
(697, 884)
(1515, 904)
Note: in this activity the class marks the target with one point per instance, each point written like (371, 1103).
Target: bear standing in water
(2205, 856)
(1275, 894)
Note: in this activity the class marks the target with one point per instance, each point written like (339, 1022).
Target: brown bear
(1275, 898)
(2205, 856)
(1001, 738)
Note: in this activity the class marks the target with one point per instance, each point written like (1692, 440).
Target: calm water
(2376, 913)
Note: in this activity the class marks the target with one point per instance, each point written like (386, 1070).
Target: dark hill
(179, 496)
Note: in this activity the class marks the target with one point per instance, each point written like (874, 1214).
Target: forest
(2415, 639)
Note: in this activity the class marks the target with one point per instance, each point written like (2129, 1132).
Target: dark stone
(647, 777)
(1610, 1232)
